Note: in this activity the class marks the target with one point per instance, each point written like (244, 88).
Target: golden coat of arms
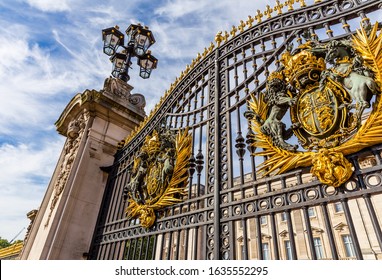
(327, 88)
(159, 175)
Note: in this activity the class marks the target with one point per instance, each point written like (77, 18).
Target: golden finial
(289, 3)
(211, 47)
(278, 7)
(268, 12)
(193, 62)
(226, 36)
(250, 21)
(233, 31)
(258, 16)
(219, 38)
(204, 54)
(241, 26)
(188, 68)
(302, 3)
(198, 57)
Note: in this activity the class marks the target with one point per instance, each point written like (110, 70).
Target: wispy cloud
(50, 6)
(25, 173)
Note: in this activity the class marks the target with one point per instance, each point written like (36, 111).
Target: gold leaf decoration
(173, 192)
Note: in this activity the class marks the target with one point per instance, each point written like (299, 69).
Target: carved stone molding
(76, 130)
(31, 215)
(117, 87)
(138, 100)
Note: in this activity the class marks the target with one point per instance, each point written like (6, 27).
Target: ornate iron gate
(228, 212)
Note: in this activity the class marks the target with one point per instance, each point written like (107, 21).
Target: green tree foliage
(4, 243)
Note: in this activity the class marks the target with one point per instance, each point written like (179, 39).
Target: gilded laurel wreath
(159, 176)
(326, 88)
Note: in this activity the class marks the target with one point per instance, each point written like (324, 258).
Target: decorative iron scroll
(326, 87)
(160, 174)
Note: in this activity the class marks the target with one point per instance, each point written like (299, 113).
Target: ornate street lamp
(112, 38)
(139, 40)
(147, 62)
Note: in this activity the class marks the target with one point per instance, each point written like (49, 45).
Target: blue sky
(51, 50)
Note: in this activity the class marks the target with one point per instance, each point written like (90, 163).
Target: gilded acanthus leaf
(370, 47)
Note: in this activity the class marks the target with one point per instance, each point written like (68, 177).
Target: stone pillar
(93, 122)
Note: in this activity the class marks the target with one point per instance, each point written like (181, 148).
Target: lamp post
(139, 39)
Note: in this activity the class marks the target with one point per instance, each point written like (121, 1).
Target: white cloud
(25, 173)
(50, 6)
(34, 77)
(180, 8)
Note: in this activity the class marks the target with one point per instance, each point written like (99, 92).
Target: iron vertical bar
(204, 246)
(291, 234)
(161, 246)
(177, 245)
(241, 151)
(274, 237)
(116, 250)
(352, 231)
(329, 231)
(374, 219)
(135, 248)
(121, 202)
(186, 234)
(229, 171)
(259, 241)
(195, 243)
(195, 249)
(129, 249)
(141, 248)
(217, 159)
(113, 247)
(154, 247)
(122, 247)
(309, 233)
(124, 194)
(147, 247)
(169, 251)
(107, 251)
(101, 252)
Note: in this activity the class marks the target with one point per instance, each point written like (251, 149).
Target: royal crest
(159, 175)
(327, 89)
